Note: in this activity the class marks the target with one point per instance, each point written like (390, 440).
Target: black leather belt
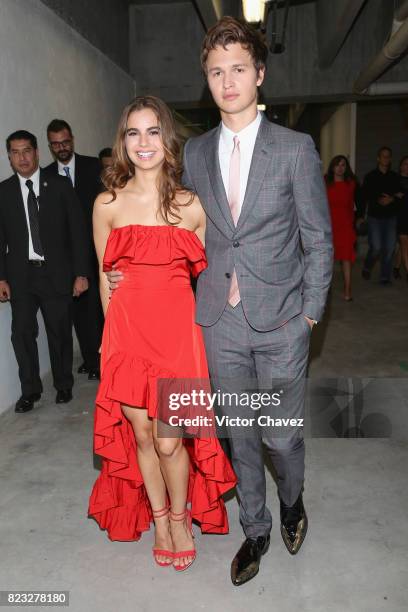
(36, 262)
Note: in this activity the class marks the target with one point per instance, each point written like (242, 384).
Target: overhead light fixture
(261, 107)
(254, 10)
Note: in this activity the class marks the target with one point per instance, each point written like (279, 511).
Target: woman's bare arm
(102, 225)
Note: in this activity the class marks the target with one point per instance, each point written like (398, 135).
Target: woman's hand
(115, 277)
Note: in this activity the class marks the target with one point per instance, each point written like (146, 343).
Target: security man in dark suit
(44, 260)
(84, 173)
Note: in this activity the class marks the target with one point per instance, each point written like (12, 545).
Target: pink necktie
(233, 200)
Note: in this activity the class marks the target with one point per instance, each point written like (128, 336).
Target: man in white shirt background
(44, 261)
(84, 173)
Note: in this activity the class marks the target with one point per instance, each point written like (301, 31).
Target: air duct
(392, 51)
(388, 89)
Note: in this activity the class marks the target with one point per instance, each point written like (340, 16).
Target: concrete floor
(354, 558)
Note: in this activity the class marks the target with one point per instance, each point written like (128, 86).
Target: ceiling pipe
(402, 12)
(394, 48)
(388, 89)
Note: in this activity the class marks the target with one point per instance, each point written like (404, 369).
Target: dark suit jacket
(62, 231)
(87, 186)
(87, 182)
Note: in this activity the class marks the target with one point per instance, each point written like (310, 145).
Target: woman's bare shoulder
(103, 198)
(106, 197)
(189, 200)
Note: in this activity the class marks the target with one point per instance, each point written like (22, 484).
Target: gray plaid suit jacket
(281, 247)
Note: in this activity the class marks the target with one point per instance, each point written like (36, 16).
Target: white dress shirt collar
(35, 178)
(246, 136)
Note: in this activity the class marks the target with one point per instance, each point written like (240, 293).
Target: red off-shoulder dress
(150, 334)
(341, 196)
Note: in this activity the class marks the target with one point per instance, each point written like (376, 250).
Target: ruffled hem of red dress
(119, 501)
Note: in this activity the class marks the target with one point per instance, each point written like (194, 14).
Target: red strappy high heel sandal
(181, 516)
(160, 551)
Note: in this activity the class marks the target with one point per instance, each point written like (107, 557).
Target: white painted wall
(48, 70)
(338, 135)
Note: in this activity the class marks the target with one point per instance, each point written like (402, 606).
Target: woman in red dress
(147, 224)
(341, 192)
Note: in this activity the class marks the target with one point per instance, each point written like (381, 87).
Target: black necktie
(34, 218)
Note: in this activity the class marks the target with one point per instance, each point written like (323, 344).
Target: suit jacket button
(235, 244)
(228, 275)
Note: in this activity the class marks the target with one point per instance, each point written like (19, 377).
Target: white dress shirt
(247, 138)
(35, 178)
(71, 166)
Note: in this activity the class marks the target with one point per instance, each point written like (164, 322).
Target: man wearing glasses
(84, 173)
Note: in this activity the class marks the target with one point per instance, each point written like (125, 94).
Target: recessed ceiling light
(254, 10)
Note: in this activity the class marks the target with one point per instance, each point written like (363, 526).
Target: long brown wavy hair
(348, 175)
(122, 169)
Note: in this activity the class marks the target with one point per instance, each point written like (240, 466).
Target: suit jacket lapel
(42, 200)
(214, 172)
(261, 159)
(78, 173)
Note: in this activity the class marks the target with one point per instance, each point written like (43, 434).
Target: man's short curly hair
(229, 30)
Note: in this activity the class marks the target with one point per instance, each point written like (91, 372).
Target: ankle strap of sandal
(178, 516)
(160, 513)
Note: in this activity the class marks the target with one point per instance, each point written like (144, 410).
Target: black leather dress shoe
(245, 564)
(63, 396)
(93, 374)
(26, 402)
(83, 369)
(293, 524)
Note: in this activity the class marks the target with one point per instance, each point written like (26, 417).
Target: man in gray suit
(269, 250)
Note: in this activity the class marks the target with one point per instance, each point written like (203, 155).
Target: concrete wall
(380, 123)
(338, 135)
(165, 44)
(105, 23)
(296, 73)
(48, 70)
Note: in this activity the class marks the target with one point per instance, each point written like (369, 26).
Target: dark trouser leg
(374, 242)
(231, 367)
(24, 333)
(88, 323)
(388, 242)
(281, 360)
(56, 310)
(58, 325)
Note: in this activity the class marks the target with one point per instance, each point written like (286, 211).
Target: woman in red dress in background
(341, 192)
(147, 224)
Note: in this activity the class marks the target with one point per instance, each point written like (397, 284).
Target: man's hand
(80, 285)
(114, 277)
(385, 199)
(310, 321)
(4, 291)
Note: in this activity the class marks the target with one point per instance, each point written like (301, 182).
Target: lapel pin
(45, 184)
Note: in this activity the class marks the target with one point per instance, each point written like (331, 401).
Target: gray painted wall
(105, 23)
(48, 70)
(165, 44)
